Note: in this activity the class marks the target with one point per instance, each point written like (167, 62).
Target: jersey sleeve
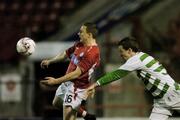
(89, 60)
(112, 76)
(131, 64)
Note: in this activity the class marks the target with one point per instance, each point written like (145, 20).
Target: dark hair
(129, 42)
(91, 28)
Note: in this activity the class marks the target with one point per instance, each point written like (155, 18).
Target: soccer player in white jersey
(157, 81)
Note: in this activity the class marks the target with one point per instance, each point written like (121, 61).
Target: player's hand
(90, 91)
(43, 86)
(45, 64)
(49, 81)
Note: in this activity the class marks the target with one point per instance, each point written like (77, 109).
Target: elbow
(76, 75)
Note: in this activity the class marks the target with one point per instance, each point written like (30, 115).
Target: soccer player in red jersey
(84, 58)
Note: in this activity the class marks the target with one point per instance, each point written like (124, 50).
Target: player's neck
(90, 42)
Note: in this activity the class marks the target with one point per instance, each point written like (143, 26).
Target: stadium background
(54, 24)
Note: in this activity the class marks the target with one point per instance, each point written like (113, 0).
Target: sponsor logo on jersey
(74, 59)
(81, 54)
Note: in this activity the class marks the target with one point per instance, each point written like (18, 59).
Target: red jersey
(87, 58)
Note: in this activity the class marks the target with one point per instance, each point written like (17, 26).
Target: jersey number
(68, 99)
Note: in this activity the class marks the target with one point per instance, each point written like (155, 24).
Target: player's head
(88, 31)
(128, 47)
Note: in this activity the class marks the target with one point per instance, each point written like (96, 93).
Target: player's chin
(123, 57)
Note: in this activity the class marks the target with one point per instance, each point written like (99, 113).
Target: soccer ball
(25, 46)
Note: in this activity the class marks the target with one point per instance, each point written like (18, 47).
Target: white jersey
(165, 90)
(152, 73)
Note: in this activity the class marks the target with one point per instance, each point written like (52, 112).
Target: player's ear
(90, 35)
(130, 50)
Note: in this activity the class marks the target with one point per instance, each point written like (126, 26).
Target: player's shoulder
(143, 56)
(136, 57)
(93, 52)
(94, 49)
(78, 44)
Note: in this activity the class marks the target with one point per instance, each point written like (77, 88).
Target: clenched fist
(45, 64)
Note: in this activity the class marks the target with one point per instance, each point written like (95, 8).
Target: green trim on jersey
(144, 56)
(159, 68)
(177, 86)
(151, 63)
(112, 76)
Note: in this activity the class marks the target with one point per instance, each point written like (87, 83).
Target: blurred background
(53, 25)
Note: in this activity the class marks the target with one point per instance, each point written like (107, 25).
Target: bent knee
(69, 113)
(54, 103)
(57, 102)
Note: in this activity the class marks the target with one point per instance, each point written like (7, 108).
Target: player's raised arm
(57, 58)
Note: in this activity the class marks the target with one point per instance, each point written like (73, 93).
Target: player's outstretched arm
(58, 58)
(106, 79)
(112, 76)
(68, 77)
(90, 91)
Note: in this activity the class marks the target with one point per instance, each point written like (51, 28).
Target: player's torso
(154, 76)
(79, 55)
